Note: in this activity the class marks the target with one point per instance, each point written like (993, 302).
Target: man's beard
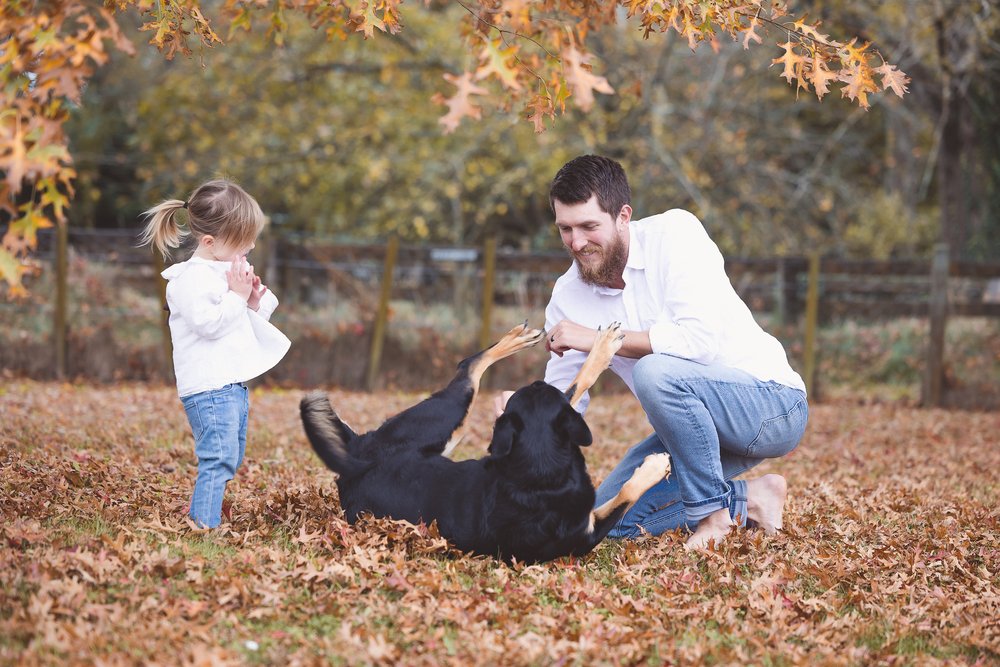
(609, 271)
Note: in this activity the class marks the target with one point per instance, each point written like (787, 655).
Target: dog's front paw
(609, 340)
(521, 336)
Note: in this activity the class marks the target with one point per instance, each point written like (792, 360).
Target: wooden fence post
(489, 284)
(382, 315)
(161, 289)
(812, 317)
(780, 302)
(60, 326)
(932, 394)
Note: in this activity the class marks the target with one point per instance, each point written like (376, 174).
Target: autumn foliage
(526, 55)
(889, 553)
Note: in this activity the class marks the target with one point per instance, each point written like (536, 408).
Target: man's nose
(578, 241)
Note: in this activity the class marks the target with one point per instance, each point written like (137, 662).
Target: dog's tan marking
(608, 342)
(455, 441)
(515, 340)
(654, 469)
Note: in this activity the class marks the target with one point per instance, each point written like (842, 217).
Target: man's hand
(256, 292)
(240, 277)
(568, 335)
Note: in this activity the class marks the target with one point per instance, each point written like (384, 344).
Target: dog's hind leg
(436, 423)
(654, 469)
(608, 342)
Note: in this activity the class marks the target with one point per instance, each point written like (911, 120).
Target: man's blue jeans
(716, 422)
(218, 421)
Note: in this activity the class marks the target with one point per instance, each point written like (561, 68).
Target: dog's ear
(573, 426)
(506, 430)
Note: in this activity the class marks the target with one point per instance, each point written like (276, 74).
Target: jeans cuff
(738, 502)
(698, 511)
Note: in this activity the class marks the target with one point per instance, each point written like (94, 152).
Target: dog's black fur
(530, 499)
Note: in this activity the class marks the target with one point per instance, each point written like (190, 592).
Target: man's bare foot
(713, 527)
(765, 506)
(766, 501)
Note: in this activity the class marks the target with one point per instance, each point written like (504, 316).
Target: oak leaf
(859, 83)
(751, 34)
(499, 61)
(368, 20)
(893, 79)
(581, 80)
(819, 76)
(792, 61)
(460, 105)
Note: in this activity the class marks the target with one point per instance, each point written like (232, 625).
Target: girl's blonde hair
(218, 208)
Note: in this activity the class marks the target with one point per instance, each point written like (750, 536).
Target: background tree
(338, 137)
(534, 54)
(952, 49)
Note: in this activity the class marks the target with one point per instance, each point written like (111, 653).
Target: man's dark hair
(589, 175)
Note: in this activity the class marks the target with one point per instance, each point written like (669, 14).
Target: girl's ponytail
(163, 231)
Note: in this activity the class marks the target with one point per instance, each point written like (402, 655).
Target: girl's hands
(240, 278)
(256, 292)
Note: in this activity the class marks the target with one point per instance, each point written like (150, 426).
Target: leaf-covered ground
(890, 553)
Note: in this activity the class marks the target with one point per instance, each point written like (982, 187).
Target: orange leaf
(582, 81)
(459, 105)
(792, 60)
(893, 79)
(820, 77)
(859, 83)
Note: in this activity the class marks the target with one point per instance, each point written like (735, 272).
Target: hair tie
(184, 205)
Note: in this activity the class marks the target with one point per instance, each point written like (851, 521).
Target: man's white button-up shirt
(676, 288)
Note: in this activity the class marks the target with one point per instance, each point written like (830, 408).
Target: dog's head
(538, 424)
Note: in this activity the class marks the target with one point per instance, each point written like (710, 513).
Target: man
(718, 390)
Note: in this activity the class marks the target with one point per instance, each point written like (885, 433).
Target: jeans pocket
(779, 435)
(192, 408)
(203, 412)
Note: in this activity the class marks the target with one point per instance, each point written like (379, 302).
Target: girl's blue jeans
(218, 421)
(716, 422)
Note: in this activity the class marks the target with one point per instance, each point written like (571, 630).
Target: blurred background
(340, 143)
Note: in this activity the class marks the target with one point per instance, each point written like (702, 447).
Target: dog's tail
(329, 436)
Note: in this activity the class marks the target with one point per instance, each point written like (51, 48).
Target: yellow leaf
(499, 62)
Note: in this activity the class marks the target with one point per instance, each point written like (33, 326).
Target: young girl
(219, 327)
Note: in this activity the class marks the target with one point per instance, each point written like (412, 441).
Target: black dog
(531, 499)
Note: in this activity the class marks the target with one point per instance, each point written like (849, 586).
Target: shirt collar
(215, 263)
(636, 258)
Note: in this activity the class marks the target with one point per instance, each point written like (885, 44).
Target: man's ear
(625, 215)
(573, 426)
(506, 430)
